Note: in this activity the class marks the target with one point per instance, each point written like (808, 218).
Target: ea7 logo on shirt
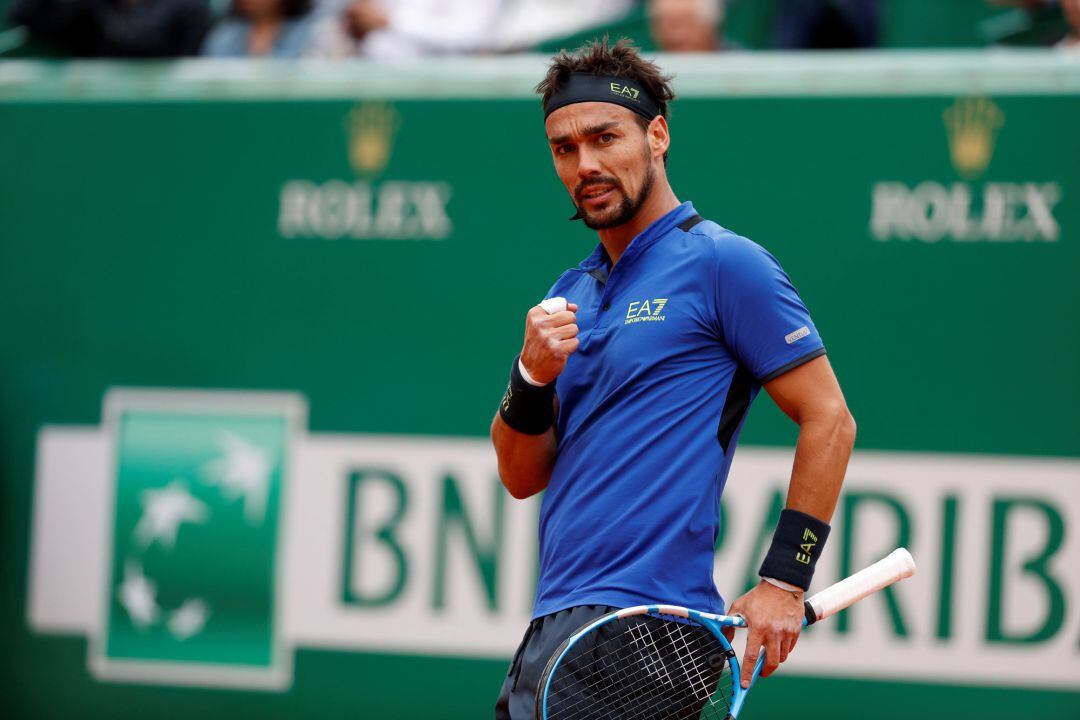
(646, 311)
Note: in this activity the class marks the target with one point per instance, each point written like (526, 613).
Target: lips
(596, 194)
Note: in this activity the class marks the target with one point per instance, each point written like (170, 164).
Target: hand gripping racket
(662, 661)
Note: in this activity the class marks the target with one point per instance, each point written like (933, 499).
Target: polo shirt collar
(659, 227)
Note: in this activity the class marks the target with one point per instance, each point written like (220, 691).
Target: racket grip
(897, 565)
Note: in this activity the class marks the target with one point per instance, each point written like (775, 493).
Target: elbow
(846, 427)
(522, 481)
(518, 489)
(834, 423)
(518, 493)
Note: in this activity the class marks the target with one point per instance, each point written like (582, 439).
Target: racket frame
(713, 623)
(896, 566)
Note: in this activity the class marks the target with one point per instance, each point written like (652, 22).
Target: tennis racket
(662, 661)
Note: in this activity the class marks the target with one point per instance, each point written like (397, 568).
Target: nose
(588, 162)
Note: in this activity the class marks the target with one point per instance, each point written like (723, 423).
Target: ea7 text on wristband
(796, 546)
(527, 408)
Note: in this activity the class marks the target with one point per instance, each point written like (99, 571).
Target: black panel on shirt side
(736, 404)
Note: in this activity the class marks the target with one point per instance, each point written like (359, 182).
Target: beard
(626, 208)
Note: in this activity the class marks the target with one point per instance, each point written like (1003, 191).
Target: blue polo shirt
(675, 341)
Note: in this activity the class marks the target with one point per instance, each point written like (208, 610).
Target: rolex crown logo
(371, 128)
(972, 125)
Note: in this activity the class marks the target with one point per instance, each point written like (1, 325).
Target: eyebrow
(594, 130)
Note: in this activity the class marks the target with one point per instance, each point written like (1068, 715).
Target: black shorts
(517, 700)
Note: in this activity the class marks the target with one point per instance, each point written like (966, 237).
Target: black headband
(584, 87)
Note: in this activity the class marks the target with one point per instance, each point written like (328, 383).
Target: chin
(601, 217)
(603, 223)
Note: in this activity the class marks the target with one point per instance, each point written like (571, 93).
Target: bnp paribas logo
(191, 588)
(966, 207)
(201, 537)
(368, 200)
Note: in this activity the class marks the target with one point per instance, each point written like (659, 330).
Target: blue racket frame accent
(713, 623)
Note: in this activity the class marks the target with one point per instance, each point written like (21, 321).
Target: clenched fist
(549, 341)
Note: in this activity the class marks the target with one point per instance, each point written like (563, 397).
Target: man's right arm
(525, 461)
(527, 457)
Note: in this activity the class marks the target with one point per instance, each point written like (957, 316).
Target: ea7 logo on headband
(624, 91)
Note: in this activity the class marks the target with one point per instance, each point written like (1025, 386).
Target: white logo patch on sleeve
(797, 335)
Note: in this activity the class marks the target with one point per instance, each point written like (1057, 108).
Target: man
(397, 29)
(1071, 8)
(116, 28)
(687, 25)
(626, 406)
(827, 24)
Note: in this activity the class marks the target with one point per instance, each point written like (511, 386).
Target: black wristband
(525, 407)
(796, 545)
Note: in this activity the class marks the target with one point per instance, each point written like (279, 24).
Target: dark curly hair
(600, 57)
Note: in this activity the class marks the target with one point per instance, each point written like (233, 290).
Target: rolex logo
(367, 206)
(371, 128)
(972, 125)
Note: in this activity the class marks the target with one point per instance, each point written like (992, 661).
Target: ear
(658, 136)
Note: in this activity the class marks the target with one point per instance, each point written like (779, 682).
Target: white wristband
(783, 585)
(529, 378)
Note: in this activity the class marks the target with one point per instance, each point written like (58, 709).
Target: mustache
(586, 184)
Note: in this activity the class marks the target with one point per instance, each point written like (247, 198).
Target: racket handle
(896, 566)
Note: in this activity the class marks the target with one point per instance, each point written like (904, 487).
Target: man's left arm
(810, 395)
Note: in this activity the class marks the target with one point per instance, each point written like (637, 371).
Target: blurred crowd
(409, 28)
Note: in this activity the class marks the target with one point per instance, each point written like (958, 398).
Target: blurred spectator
(826, 24)
(115, 28)
(1071, 8)
(1026, 4)
(1034, 22)
(527, 23)
(686, 25)
(390, 29)
(262, 28)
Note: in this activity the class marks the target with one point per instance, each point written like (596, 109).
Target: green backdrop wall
(346, 233)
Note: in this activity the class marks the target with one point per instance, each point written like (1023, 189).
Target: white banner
(415, 534)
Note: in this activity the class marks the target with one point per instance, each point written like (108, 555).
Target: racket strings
(643, 668)
(662, 683)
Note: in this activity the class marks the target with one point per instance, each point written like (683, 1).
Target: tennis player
(626, 406)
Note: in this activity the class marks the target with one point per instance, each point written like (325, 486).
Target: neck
(660, 202)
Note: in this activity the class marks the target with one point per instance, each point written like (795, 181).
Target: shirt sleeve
(761, 317)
